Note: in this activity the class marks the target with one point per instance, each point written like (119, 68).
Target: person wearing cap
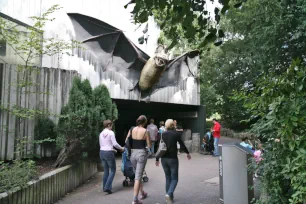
(107, 141)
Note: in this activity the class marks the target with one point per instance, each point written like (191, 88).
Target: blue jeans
(109, 165)
(171, 167)
(203, 146)
(152, 147)
(216, 143)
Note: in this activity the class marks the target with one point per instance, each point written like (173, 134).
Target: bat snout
(160, 62)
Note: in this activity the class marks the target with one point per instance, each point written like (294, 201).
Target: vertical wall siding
(50, 92)
(186, 92)
(52, 186)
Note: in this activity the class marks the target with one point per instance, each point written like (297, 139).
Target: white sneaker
(168, 199)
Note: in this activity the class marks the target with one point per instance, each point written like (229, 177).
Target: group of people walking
(139, 139)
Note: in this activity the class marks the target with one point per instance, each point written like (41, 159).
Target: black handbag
(128, 143)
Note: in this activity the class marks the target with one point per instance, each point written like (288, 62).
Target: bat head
(161, 56)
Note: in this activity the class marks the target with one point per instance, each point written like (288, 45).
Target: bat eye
(159, 62)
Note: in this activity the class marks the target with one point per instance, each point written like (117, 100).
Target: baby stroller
(208, 144)
(128, 170)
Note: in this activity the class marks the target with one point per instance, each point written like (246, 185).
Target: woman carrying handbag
(168, 153)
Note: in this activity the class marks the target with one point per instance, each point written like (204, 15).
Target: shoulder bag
(162, 148)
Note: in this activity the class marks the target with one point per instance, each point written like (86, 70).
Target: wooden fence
(52, 186)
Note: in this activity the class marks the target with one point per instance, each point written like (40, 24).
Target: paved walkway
(198, 184)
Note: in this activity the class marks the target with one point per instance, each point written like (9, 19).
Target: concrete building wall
(7, 53)
(110, 11)
(49, 92)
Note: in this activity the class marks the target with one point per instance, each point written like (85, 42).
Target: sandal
(137, 202)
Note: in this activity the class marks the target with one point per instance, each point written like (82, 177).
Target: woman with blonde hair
(138, 140)
(169, 160)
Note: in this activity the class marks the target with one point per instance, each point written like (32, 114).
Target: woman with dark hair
(107, 141)
(139, 139)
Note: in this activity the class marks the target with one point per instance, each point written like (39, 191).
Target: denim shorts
(139, 160)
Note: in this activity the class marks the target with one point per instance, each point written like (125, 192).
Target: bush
(280, 101)
(82, 118)
(225, 132)
(45, 129)
(16, 174)
(209, 125)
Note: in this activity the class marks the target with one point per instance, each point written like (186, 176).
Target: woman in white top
(107, 141)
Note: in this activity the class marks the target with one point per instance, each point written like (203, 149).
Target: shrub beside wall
(52, 186)
(16, 174)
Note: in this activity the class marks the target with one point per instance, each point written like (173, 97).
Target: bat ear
(166, 50)
(159, 49)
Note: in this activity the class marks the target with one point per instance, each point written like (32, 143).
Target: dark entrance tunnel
(188, 116)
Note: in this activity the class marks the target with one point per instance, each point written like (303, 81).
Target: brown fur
(150, 75)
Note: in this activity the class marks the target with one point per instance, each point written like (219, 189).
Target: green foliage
(273, 89)
(82, 118)
(102, 101)
(44, 128)
(280, 101)
(262, 36)
(114, 112)
(16, 174)
(190, 18)
(209, 125)
(262, 39)
(77, 121)
(62, 123)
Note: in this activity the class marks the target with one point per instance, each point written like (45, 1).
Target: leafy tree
(76, 123)
(82, 120)
(280, 101)
(44, 133)
(29, 48)
(189, 17)
(260, 37)
(75, 127)
(45, 128)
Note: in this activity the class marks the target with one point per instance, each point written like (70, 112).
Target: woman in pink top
(107, 141)
(258, 157)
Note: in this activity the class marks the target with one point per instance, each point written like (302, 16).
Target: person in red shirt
(216, 134)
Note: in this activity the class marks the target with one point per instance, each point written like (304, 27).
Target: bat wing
(113, 50)
(179, 69)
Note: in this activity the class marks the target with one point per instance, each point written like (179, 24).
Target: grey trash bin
(188, 145)
(195, 142)
(235, 179)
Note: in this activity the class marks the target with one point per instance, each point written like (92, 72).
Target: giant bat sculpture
(115, 52)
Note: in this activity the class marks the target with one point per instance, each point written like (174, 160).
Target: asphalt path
(198, 184)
